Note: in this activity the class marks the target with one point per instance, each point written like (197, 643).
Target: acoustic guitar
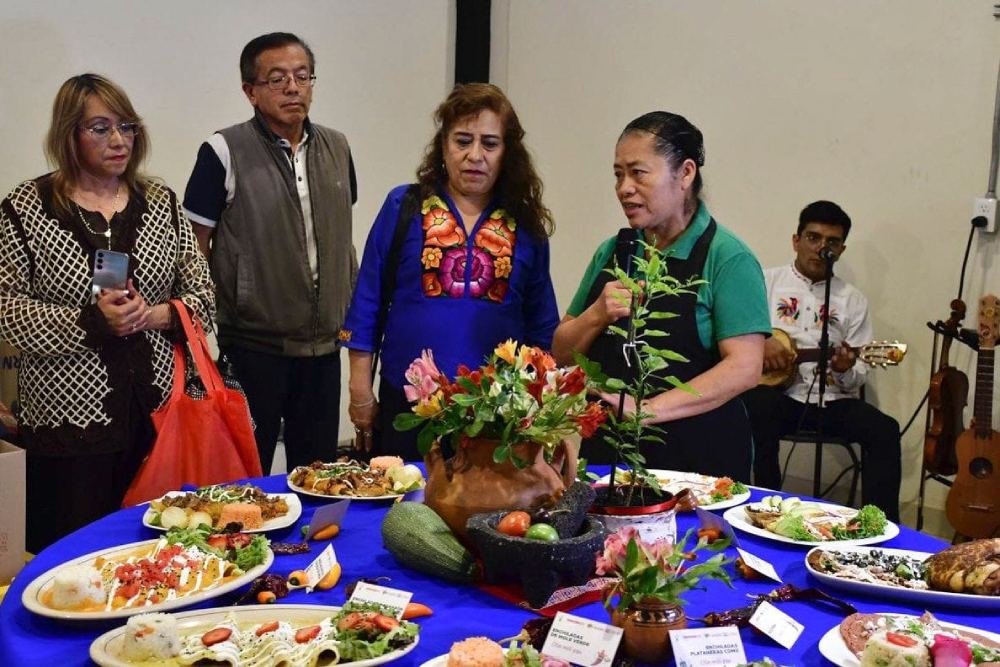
(877, 353)
(973, 505)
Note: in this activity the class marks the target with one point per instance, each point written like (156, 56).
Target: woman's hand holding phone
(125, 310)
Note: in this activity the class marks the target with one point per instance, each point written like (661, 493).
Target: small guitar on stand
(948, 393)
(973, 505)
(877, 353)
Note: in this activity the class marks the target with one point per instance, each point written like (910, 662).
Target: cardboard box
(12, 510)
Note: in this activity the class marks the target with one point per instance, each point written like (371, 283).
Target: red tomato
(900, 640)
(238, 540)
(217, 542)
(266, 628)
(303, 635)
(385, 623)
(515, 523)
(215, 636)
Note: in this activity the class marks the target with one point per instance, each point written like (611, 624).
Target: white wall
(885, 107)
(382, 66)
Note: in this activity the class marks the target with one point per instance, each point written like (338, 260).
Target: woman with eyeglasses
(95, 362)
(721, 325)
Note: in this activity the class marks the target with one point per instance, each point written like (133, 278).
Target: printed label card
(319, 567)
(708, 647)
(327, 515)
(776, 624)
(387, 597)
(582, 641)
(759, 565)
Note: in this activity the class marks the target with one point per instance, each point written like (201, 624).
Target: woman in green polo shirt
(721, 328)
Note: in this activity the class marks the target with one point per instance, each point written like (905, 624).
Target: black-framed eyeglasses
(102, 131)
(279, 81)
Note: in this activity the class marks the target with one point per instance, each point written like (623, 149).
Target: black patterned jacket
(78, 382)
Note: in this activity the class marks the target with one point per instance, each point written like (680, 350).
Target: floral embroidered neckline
(452, 268)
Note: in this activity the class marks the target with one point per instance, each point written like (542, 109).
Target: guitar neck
(812, 354)
(982, 408)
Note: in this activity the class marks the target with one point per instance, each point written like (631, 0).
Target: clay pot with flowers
(650, 581)
(494, 438)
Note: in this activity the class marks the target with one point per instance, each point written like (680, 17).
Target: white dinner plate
(106, 650)
(737, 518)
(834, 649)
(919, 598)
(32, 596)
(675, 480)
(290, 517)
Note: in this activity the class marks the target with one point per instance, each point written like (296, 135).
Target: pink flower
(658, 551)
(612, 561)
(424, 378)
(453, 269)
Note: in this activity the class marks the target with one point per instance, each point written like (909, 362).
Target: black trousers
(64, 493)
(773, 414)
(388, 441)
(304, 392)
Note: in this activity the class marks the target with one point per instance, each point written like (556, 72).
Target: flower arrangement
(519, 395)
(626, 431)
(658, 570)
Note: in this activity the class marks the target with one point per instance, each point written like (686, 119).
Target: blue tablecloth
(459, 612)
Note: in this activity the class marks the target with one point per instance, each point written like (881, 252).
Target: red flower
(431, 285)
(535, 388)
(591, 418)
(573, 382)
(497, 291)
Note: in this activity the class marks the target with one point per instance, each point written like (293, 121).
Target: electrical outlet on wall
(986, 207)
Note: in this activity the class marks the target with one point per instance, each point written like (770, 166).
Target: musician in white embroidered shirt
(795, 294)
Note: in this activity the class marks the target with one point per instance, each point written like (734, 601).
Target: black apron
(717, 442)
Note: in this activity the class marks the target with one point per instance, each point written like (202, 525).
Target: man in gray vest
(270, 201)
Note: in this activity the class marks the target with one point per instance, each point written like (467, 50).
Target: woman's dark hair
(826, 213)
(272, 40)
(675, 138)
(518, 186)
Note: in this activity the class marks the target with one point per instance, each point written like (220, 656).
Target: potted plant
(494, 437)
(637, 492)
(650, 581)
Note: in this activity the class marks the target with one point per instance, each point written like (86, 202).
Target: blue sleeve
(541, 316)
(358, 332)
(205, 195)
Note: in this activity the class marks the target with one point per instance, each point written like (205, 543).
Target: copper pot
(647, 625)
(470, 482)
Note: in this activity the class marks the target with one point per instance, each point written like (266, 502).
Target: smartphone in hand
(110, 269)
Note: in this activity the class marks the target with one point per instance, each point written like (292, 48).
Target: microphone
(625, 247)
(828, 254)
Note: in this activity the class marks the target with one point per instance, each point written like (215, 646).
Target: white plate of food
(294, 633)
(713, 493)
(908, 576)
(908, 639)
(116, 582)
(384, 478)
(817, 521)
(260, 512)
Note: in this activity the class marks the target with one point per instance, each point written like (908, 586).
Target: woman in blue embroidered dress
(472, 269)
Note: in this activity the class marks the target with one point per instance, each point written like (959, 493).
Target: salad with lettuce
(815, 522)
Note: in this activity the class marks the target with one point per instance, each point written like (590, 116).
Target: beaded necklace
(106, 233)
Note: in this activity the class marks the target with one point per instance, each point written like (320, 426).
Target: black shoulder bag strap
(407, 209)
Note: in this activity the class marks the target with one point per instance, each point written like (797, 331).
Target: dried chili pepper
(273, 583)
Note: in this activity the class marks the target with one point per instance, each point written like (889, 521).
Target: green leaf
(682, 385)
(631, 555)
(618, 331)
(501, 453)
(662, 315)
(425, 439)
(473, 429)
(405, 421)
(614, 384)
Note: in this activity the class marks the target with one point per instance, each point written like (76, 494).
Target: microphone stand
(631, 363)
(821, 367)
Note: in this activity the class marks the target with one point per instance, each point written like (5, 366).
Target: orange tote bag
(199, 441)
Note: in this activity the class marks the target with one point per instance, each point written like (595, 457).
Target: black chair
(810, 437)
